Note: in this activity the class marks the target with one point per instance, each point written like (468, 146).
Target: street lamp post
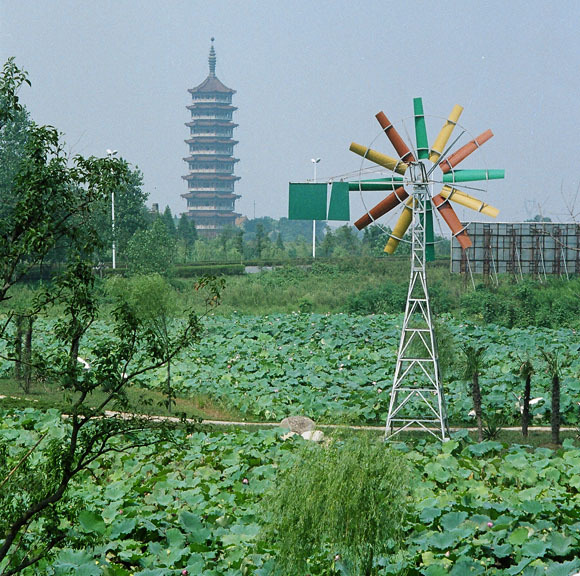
(110, 154)
(315, 161)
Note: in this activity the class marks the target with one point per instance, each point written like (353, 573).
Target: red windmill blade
(448, 213)
(386, 205)
(463, 152)
(400, 194)
(398, 143)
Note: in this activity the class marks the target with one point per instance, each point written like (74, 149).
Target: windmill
(417, 398)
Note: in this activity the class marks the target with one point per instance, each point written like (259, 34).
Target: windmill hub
(416, 174)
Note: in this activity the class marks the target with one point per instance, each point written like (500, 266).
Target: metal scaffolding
(520, 248)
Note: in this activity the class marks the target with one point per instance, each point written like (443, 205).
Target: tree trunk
(368, 567)
(19, 321)
(476, 393)
(526, 410)
(169, 390)
(555, 416)
(27, 356)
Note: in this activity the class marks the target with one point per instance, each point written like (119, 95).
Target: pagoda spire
(212, 59)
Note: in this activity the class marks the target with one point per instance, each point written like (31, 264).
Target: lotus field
(195, 505)
(339, 368)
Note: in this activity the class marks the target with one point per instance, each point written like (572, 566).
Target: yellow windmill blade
(378, 158)
(468, 201)
(400, 228)
(445, 133)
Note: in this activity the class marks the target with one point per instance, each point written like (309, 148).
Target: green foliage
(345, 501)
(196, 504)
(130, 216)
(50, 207)
(389, 298)
(11, 79)
(552, 304)
(493, 424)
(472, 366)
(186, 235)
(152, 250)
(197, 270)
(169, 222)
(338, 368)
(554, 369)
(47, 202)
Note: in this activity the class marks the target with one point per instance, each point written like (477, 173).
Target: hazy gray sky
(310, 77)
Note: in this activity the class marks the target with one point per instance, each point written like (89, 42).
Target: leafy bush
(551, 305)
(389, 298)
(208, 270)
(341, 504)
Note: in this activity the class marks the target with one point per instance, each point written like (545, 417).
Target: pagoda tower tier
(210, 179)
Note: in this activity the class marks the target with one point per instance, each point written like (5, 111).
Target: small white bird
(86, 365)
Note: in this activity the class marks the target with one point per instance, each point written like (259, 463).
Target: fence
(519, 248)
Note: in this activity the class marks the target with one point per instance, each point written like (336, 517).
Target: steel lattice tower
(417, 397)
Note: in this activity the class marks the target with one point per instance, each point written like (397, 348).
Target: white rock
(298, 424)
(314, 435)
(288, 435)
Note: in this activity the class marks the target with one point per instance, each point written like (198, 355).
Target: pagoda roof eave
(211, 84)
(219, 158)
(210, 105)
(210, 123)
(214, 213)
(211, 140)
(211, 176)
(220, 195)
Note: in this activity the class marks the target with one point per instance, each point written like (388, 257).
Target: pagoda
(210, 182)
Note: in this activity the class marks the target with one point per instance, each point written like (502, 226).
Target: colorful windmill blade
(463, 152)
(378, 158)
(376, 185)
(384, 206)
(401, 227)
(398, 143)
(423, 153)
(457, 176)
(460, 197)
(429, 234)
(400, 194)
(445, 134)
(420, 130)
(451, 219)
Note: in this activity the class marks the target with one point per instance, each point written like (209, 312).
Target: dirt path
(376, 428)
(245, 424)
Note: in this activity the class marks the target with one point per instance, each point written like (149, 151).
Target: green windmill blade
(429, 235)
(473, 175)
(420, 130)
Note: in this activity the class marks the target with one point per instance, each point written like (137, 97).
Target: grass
(44, 396)
(329, 286)
(202, 407)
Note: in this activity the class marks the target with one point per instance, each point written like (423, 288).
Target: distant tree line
(158, 241)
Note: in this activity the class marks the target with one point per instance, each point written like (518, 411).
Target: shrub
(341, 504)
